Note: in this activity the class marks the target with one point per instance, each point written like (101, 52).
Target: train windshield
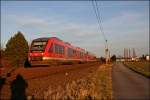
(38, 46)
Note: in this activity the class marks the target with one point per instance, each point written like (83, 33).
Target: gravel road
(128, 85)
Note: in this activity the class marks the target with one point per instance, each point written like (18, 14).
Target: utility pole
(106, 52)
(109, 56)
(124, 53)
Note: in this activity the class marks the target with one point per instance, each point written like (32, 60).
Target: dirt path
(128, 84)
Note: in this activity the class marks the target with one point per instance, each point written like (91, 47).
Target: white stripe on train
(51, 58)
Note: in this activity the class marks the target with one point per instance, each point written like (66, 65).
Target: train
(47, 50)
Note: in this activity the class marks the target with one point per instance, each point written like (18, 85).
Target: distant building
(147, 57)
(135, 59)
(118, 59)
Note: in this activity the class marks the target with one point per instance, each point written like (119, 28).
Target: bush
(17, 49)
(113, 58)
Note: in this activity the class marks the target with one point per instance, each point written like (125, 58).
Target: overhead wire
(99, 19)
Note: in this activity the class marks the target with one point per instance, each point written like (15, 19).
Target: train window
(38, 46)
(61, 50)
(39, 43)
(81, 55)
(54, 48)
(74, 52)
(58, 49)
(70, 52)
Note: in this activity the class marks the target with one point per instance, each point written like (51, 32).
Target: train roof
(55, 38)
(46, 39)
(41, 39)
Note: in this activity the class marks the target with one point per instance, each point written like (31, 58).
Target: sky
(125, 23)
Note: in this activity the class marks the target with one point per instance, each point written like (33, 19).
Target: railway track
(40, 72)
(66, 71)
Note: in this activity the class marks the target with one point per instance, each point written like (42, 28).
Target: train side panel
(57, 50)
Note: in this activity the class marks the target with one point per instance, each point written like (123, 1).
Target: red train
(43, 51)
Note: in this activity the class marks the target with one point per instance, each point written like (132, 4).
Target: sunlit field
(140, 67)
(96, 86)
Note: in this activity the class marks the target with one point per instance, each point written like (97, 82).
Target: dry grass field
(79, 81)
(142, 67)
(96, 86)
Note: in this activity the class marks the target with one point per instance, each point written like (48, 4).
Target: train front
(37, 51)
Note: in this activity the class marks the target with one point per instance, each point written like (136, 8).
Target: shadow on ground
(27, 63)
(2, 82)
(18, 87)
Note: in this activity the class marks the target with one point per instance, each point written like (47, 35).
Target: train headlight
(45, 58)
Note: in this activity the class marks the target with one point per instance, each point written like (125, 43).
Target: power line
(97, 13)
(96, 10)
(100, 20)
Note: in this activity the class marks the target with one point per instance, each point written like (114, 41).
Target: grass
(140, 67)
(104, 82)
(97, 86)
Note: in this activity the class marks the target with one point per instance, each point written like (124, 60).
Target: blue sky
(125, 23)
